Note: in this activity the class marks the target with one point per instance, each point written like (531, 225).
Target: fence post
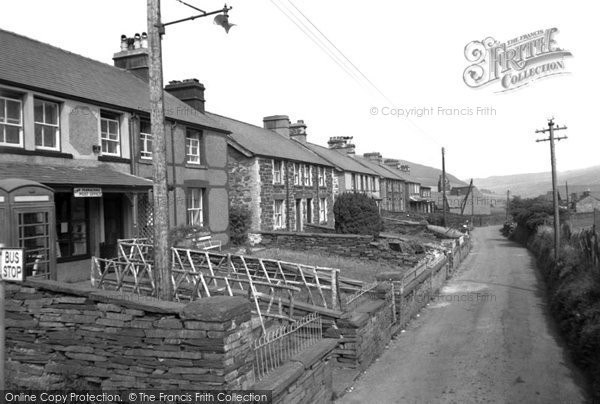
(393, 290)
(335, 289)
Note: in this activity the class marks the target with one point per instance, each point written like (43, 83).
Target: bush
(240, 221)
(357, 214)
(185, 235)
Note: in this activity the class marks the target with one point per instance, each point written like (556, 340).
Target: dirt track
(486, 338)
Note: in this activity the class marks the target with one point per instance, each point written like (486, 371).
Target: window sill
(196, 166)
(37, 152)
(113, 159)
(145, 161)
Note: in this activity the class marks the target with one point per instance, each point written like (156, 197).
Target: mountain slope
(533, 184)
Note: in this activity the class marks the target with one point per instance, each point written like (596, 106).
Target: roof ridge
(244, 122)
(70, 52)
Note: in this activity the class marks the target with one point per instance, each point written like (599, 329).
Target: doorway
(113, 225)
(298, 214)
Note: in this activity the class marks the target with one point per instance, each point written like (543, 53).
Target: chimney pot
(133, 57)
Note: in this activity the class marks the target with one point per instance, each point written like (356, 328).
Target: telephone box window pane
(34, 236)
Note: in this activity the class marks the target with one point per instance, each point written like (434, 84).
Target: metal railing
(277, 346)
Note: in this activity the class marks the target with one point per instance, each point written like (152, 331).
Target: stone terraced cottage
(283, 184)
(392, 184)
(350, 176)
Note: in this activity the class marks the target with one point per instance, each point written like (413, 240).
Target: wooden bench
(207, 243)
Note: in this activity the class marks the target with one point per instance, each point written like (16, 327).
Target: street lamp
(162, 266)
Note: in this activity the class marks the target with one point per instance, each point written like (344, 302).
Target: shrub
(357, 214)
(185, 235)
(240, 221)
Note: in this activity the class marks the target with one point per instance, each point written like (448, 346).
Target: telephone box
(27, 221)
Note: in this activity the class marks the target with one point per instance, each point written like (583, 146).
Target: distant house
(81, 129)
(393, 185)
(587, 203)
(416, 203)
(349, 175)
(281, 182)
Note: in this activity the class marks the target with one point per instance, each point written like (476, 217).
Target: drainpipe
(173, 127)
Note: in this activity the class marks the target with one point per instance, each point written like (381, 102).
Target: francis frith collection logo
(514, 63)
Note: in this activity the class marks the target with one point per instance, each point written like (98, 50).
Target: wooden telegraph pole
(156, 28)
(162, 262)
(443, 187)
(551, 139)
(507, 203)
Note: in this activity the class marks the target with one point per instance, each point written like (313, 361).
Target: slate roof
(98, 176)
(266, 142)
(381, 170)
(43, 67)
(342, 161)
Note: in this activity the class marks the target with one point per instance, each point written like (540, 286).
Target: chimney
(342, 144)
(298, 131)
(392, 163)
(134, 55)
(190, 91)
(374, 157)
(278, 123)
(405, 168)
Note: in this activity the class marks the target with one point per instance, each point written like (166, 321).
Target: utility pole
(551, 139)
(162, 261)
(156, 28)
(443, 187)
(507, 203)
(567, 192)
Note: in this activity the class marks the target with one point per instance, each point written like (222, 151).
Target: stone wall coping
(325, 235)
(213, 309)
(287, 374)
(146, 303)
(217, 309)
(315, 353)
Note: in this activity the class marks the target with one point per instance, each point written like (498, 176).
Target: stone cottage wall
(244, 187)
(288, 192)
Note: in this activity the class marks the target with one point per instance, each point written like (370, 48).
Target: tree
(357, 214)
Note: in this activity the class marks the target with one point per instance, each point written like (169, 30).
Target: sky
(413, 53)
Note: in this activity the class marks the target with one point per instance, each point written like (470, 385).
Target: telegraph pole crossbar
(551, 139)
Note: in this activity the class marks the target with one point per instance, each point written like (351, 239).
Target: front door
(113, 224)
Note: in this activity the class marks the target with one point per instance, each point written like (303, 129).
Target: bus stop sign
(12, 264)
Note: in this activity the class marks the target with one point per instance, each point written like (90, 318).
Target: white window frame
(310, 175)
(5, 123)
(195, 206)
(322, 210)
(54, 127)
(297, 173)
(278, 214)
(191, 143)
(277, 171)
(305, 175)
(145, 140)
(106, 138)
(321, 174)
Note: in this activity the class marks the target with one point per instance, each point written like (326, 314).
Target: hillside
(533, 184)
(428, 176)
